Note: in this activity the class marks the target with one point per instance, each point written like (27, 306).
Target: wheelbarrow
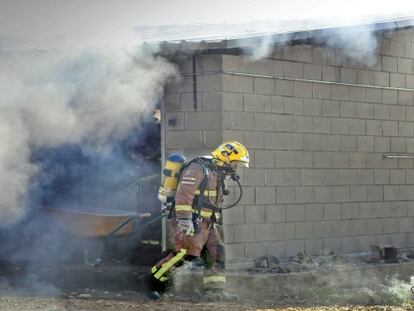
(100, 224)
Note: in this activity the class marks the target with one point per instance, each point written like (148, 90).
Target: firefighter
(196, 219)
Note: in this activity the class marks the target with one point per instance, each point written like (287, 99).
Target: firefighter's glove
(186, 225)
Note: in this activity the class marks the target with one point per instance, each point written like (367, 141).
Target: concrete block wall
(317, 124)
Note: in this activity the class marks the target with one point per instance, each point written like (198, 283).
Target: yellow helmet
(232, 152)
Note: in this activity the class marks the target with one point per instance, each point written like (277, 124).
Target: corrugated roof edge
(236, 46)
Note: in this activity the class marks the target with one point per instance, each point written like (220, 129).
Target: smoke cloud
(55, 99)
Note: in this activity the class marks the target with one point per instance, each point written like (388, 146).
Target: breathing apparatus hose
(235, 178)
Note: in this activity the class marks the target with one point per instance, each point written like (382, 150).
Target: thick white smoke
(51, 99)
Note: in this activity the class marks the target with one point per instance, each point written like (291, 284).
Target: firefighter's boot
(218, 295)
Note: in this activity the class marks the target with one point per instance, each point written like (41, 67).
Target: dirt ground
(10, 303)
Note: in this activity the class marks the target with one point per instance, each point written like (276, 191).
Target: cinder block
(340, 194)
(340, 160)
(381, 176)
(244, 233)
(314, 212)
(405, 65)
(285, 158)
(256, 250)
(284, 123)
(405, 98)
(292, 69)
(322, 91)
(382, 78)
(323, 229)
(397, 80)
(303, 124)
(312, 71)
(294, 247)
(365, 177)
(397, 176)
(255, 214)
(356, 127)
(293, 105)
(330, 73)
(284, 87)
(254, 102)
(409, 81)
(375, 193)
(235, 135)
(234, 215)
(390, 97)
(275, 213)
(382, 144)
(232, 63)
(210, 83)
(340, 92)
(357, 93)
(389, 63)
(374, 226)
(347, 75)
(398, 144)
(304, 230)
(410, 145)
(273, 68)
(235, 251)
(285, 194)
(255, 140)
(265, 195)
(321, 125)
(302, 53)
(340, 126)
(235, 84)
(211, 139)
(248, 195)
(365, 143)
(356, 160)
(374, 127)
(275, 141)
(254, 177)
(390, 128)
(294, 141)
(374, 160)
(331, 176)
(295, 213)
(264, 159)
(303, 89)
(238, 120)
(332, 211)
(275, 104)
(228, 233)
(312, 107)
(330, 108)
(348, 176)
(323, 160)
(313, 177)
(264, 122)
(397, 113)
(203, 120)
(184, 139)
(390, 225)
(350, 211)
(264, 86)
(231, 102)
(365, 111)
(323, 195)
(304, 195)
(406, 224)
(277, 248)
(358, 193)
(349, 109)
(331, 142)
(382, 112)
(274, 177)
(391, 193)
(285, 231)
(312, 141)
(373, 95)
(365, 77)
